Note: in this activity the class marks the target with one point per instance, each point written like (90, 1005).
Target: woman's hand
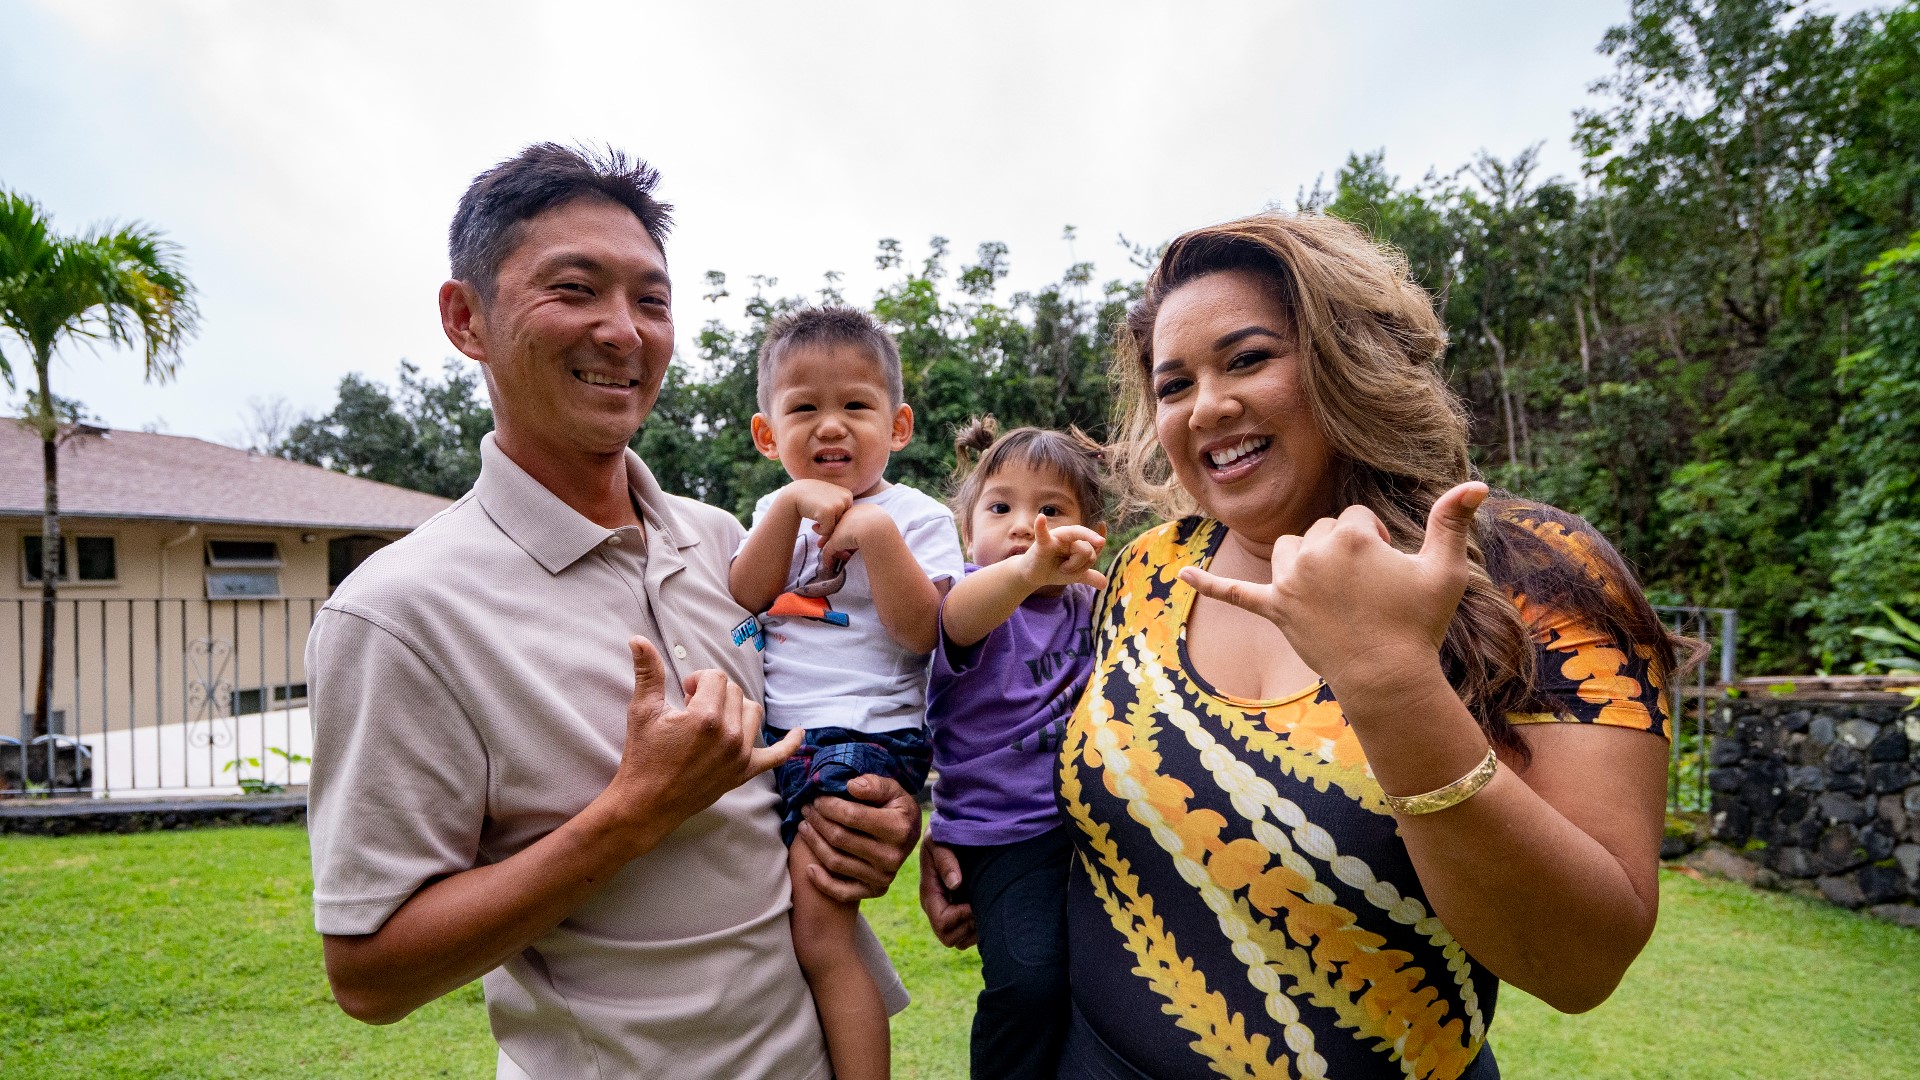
(1063, 556)
(1351, 604)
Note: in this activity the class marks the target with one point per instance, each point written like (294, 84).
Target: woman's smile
(1232, 459)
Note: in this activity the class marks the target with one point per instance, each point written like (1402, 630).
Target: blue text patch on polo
(749, 630)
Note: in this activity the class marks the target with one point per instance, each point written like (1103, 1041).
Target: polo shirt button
(679, 652)
(613, 541)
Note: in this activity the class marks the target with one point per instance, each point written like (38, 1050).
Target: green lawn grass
(191, 954)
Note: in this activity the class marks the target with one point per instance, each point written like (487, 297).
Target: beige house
(190, 573)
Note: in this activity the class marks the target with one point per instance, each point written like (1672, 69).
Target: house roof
(134, 474)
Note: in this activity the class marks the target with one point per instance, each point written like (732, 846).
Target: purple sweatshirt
(996, 711)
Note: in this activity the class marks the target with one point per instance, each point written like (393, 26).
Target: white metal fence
(177, 696)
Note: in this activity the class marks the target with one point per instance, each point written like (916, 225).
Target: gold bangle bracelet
(1440, 798)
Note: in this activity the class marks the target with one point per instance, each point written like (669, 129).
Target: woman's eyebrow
(1227, 341)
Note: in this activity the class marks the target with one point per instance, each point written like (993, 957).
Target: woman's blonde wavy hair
(1369, 347)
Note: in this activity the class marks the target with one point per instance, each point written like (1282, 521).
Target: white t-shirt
(829, 662)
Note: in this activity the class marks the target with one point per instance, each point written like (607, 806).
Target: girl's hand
(1352, 605)
(1063, 556)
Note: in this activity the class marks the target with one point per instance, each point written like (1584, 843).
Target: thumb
(649, 673)
(868, 788)
(946, 865)
(1451, 520)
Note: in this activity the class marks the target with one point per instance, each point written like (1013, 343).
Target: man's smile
(594, 378)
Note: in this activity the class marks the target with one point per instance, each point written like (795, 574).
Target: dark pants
(1019, 897)
(1087, 1057)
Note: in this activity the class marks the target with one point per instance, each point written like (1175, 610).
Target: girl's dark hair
(1369, 345)
(980, 452)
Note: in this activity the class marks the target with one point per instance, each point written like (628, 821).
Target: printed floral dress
(1240, 903)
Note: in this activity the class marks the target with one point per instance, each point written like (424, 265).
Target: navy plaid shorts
(829, 757)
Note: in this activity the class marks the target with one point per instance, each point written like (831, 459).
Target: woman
(1360, 742)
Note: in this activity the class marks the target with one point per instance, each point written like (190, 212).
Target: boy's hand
(1063, 556)
(822, 503)
(857, 526)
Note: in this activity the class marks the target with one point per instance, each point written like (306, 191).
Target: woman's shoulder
(1171, 543)
(1602, 654)
(1550, 536)
(1141, 577)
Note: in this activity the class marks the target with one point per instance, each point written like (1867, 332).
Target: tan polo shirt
(469, 688)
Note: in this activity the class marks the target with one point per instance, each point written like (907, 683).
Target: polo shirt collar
(555, 534)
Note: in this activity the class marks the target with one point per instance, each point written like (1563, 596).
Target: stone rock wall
(1821, 791)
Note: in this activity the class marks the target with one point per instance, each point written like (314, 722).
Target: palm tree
(124, 287)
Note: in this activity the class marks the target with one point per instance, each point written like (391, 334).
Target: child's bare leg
(851, 1012)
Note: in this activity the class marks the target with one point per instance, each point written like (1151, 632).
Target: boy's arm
(989, 596)
(760, 568)
(907, 600)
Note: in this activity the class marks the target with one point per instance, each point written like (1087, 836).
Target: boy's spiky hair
(828, 326)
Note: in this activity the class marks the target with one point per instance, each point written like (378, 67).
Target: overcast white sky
(307, 156)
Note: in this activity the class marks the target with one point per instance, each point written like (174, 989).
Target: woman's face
(1230, 411)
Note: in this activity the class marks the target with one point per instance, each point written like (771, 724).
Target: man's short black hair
(545, 175)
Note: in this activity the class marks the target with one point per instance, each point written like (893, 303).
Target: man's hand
(859, 846)
(677, 762)
(951, 920)
(822, 503)
(1062, 556)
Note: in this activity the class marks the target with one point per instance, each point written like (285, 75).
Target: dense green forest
(1708, 343)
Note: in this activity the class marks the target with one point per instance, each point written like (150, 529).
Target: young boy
(849, 571)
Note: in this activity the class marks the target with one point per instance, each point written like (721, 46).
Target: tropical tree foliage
(1708, 343)
(425, 436)
(121, 287)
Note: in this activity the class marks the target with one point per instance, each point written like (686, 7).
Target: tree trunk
(1506, 393)
(49, 424)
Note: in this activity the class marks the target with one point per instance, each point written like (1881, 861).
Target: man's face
(577, 337)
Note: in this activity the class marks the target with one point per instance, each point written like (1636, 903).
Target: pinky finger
(763, 758)
(1238, 593)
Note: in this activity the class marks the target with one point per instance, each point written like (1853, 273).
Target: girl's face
(1001, 524)
(1230, 411)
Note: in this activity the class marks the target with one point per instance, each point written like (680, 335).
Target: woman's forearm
(1548, 874)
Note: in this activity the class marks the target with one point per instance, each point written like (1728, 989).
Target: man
(537, 752)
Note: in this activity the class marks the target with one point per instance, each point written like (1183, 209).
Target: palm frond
(124, 286)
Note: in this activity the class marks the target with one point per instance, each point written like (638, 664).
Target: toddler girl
(1015, 648)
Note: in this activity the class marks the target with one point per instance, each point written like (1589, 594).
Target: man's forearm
(461, 927)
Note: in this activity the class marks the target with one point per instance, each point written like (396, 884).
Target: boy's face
(831, 418)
